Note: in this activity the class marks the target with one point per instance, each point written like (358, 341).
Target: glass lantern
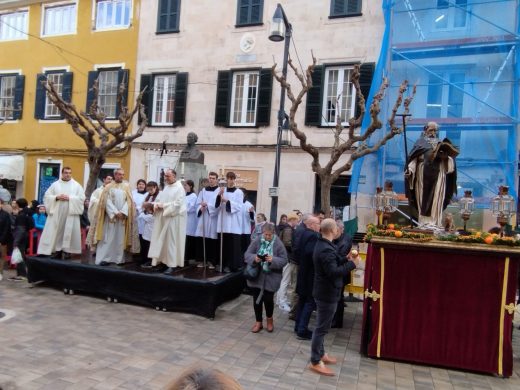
(503, 207)
(467, 205)
(385, 202)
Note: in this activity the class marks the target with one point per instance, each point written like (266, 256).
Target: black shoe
(306, 335)
(169, 271)
(66, 255)
(147, 265)
(104, 263)
(57, 255)
(121, 264)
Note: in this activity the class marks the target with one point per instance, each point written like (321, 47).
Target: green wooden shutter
(92, 76)
(223, 97)
(314, 98)
(39, 104)
(18, 97)
(181, 92)
(265, 89)
(146, 82)
(365, 81)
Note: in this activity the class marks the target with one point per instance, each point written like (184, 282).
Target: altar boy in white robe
(207, 215)
(116, 230)
(64, 204)
(169, 230)
(230, 201)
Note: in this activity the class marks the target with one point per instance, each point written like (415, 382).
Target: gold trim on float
(510, 308)
(372, 295)
(502, 314)
(380, 325)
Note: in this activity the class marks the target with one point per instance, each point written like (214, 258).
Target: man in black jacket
(343, 244)
(5, 236)
(330, 268)
(304, 251)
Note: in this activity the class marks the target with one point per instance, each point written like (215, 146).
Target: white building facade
(207, 68)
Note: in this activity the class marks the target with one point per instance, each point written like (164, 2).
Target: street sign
(273, 191)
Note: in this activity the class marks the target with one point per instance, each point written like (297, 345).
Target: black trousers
(145, 246)
(232, 255)
(212, 251)
(267, 301)
(191, 248)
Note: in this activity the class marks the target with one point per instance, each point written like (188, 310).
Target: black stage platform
(190, 289)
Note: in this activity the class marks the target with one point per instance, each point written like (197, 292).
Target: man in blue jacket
(330, 268)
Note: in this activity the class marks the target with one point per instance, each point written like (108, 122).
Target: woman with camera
(268, 254)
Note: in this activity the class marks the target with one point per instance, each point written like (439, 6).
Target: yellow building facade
(72, 43)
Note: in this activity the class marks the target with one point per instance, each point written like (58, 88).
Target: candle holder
(467, 205)
(503, 207)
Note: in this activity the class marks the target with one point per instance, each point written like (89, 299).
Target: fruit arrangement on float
(402, 232)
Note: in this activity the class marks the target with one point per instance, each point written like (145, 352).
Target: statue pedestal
(192, 171)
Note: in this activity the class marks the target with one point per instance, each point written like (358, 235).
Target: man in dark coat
(6, 236)
(330, 269)
(343, 244)
(305, 278)
(431, 175)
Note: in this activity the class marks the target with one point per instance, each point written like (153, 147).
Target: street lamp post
(280, 29)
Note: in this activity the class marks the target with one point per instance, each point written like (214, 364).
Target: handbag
(16, 256)
(252, 271)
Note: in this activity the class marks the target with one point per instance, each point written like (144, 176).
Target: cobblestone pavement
(53, 341)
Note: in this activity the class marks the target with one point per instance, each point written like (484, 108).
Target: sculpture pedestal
(192, 171)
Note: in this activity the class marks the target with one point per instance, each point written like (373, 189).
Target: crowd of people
(304, 261)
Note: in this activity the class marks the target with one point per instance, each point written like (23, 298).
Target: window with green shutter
(11, 96)
(249, 12)
(168, 16)
(344, 8)
(164, 98)
(244, 98)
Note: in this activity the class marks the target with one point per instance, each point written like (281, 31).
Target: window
(333, 90)
(164, 98)
(107, 97)
(11, 96)
(339, 96)
(445, 100)
(7, 86)
(168, 16)
(109, 80)
(451, 14)
(13, 26)
(113, 14)
(44, 107)
(59, 20)
(243, 98)
(51, 111)
(343, 8)
(249, 12)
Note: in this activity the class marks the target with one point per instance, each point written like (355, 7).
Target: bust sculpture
(191, 153)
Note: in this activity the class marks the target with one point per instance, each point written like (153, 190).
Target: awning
(12, 167)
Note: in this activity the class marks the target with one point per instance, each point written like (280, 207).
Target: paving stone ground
(53, 341)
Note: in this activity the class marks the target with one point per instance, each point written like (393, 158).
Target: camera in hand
(262, 257)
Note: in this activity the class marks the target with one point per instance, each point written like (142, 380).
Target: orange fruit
(488, 240)
(391, 226)
(398, 233)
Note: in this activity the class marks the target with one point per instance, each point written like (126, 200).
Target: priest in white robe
(230, 201)
(116, 230)
(207, 217)
(64, 204)
(169, 231)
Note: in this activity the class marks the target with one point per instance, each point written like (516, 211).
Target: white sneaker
(285, 307)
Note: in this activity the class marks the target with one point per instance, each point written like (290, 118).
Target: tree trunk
(95, 162)
(326, 184)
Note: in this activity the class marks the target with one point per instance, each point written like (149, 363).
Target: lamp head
(277, 33)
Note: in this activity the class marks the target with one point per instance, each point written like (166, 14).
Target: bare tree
(327, 173)
(99, 137)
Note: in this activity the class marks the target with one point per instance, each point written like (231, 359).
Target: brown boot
(257, 327)
(270, 326)
(321, 369)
